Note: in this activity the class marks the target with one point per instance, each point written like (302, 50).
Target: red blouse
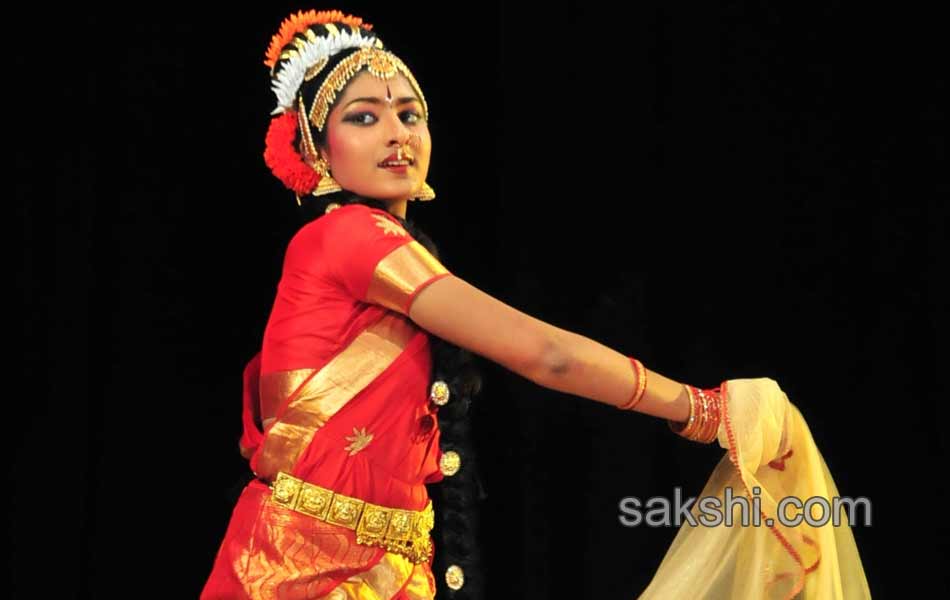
(343, 368)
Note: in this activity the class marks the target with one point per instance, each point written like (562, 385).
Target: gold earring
(426, 193)
(327, 184)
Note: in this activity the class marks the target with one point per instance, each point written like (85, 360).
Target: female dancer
(358, 397)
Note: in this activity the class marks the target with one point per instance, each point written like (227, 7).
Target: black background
(734, 191)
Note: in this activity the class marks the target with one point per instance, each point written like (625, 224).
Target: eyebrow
(372, 100)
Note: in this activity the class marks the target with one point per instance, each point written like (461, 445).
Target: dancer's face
(366, 126)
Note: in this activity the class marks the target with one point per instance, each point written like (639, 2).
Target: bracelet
(711, 432)
(641, 374)
(688, 427)
(704, 415)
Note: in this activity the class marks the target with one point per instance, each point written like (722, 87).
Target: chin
(388, 195)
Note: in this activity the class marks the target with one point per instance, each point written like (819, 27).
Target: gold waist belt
(404, 532)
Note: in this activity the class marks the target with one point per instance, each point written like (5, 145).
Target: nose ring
(407, 146)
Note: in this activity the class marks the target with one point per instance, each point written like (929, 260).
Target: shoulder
(349, 228)
(360, 221)
(329, 224)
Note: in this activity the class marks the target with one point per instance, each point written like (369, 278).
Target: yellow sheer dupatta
(770, 456)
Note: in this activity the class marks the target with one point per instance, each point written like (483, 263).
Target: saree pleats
(272, 553)
(393, 577)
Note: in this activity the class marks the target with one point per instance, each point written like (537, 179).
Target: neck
(397, 207)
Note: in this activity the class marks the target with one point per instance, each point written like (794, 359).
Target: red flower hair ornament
(282, 157)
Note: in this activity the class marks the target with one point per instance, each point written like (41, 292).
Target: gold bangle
(641, 374)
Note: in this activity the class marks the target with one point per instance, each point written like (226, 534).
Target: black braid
(456, 498)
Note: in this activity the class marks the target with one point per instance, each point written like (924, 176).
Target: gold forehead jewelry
(382, 64)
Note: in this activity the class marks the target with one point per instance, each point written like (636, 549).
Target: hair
(456, 498)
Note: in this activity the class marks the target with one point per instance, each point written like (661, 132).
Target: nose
(397, 133)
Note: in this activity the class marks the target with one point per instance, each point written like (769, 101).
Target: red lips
(395, 156)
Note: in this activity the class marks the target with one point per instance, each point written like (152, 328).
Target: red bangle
(704, 415)
(641, 374)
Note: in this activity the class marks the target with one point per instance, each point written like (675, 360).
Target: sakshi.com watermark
(738, 509)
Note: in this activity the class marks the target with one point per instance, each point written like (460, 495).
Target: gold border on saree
(404, 532)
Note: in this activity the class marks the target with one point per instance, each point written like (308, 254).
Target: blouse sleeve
(375, 260)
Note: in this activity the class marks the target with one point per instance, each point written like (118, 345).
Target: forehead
(365, 84)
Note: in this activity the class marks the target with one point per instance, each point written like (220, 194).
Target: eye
(363, 118)
(410, 116)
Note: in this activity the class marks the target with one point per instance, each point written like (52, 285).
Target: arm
(547, 355)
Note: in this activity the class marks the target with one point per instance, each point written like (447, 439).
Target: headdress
(325, 49)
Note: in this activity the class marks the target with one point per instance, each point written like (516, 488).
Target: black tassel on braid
(456, 499)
